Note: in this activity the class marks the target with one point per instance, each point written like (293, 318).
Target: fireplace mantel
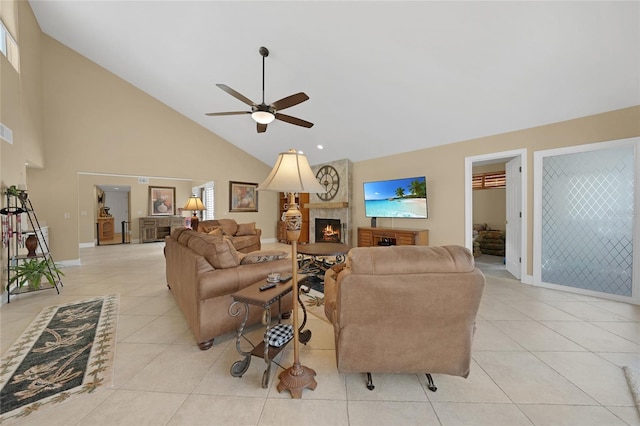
(337, 205)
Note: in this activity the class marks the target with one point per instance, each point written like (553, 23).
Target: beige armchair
(404, 309)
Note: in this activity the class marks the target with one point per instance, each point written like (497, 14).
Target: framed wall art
(162, 200)
(243, 197)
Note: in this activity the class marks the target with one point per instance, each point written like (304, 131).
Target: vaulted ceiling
(382, 77)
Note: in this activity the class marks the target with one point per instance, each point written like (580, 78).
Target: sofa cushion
(185, 236)
(262, 256)
(177, 232)
(246, 241)
(409, 260)
(219, 252)
(230, 226)
(246, 229)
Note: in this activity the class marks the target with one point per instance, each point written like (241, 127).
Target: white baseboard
(268, 240)
(87, 245)
(72, 262)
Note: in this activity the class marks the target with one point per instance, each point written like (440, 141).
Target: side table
(252, 295)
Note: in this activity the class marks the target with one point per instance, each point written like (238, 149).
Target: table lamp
(291, 174)
(194, 204)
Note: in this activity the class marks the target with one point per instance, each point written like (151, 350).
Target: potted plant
(32, 271)
(20, 193)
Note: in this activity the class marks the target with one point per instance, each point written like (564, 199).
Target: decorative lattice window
(489, 180)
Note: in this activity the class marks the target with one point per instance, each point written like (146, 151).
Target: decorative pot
(31, 243)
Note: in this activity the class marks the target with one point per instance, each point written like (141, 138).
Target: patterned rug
(311, 294)
(67, 350)
(633, 379)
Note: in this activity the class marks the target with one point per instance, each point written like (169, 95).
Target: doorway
(113, 200)
(514, 260)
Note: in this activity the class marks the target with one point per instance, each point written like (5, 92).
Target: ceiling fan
(262, 113)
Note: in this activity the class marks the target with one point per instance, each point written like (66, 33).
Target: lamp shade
(263, 117)
(291, 173)
(194, 204)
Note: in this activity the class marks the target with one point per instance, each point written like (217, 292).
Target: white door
(513, 243)
(118, 203)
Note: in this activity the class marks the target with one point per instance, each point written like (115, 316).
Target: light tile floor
(540, 357)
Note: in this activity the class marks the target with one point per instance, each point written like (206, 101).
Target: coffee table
(309, 256)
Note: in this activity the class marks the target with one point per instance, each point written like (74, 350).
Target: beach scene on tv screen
(402, 198)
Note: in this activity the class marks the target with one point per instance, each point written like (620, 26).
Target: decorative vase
(33, 284)
(31, 243)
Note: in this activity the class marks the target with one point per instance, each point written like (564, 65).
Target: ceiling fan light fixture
(263, 117)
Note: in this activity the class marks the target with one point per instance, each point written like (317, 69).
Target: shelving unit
(14, 239)
(368, 237)
(156, 228)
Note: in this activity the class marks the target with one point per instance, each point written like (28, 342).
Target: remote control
(285, 278)
(267, 286)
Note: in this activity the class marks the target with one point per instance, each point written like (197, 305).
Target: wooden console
(368, 237)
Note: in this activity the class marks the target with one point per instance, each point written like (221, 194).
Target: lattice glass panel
(587, 220)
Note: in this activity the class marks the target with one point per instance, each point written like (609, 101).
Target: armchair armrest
(331, 291)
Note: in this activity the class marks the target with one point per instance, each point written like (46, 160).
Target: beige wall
(444, 168)
(20, 101)
(138, 201)
(490, 207)
(98, 123)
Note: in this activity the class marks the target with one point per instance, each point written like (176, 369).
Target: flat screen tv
(396, 198)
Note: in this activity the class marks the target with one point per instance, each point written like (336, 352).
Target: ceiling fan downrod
(264, 52)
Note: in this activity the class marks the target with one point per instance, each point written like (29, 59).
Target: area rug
(67, 351)
(313, 298)
(633, 378)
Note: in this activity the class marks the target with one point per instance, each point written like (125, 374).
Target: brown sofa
(244, 236)
(404, 309)
(204, 270)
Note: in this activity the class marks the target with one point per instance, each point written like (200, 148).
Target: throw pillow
(230, 226)
(207, 225)
(262, 256)
(246, 229)
(216, 232)
(280, 334)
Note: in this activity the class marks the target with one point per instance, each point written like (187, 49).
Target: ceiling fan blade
(211, 114)
(293, 120)
(236, 95)
(290, 101)
(262, 128)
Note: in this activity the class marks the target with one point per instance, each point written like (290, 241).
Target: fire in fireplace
(328, 231)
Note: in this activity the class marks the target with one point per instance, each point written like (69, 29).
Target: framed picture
(162, 200)
(243, 197)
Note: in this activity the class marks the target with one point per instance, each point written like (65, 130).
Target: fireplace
(328, 231)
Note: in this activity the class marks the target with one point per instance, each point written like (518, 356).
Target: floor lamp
(194, 204)
(291, 174)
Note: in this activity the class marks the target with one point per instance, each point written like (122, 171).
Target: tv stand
(368, 237)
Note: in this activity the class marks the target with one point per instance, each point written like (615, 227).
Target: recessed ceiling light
(320, 147)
